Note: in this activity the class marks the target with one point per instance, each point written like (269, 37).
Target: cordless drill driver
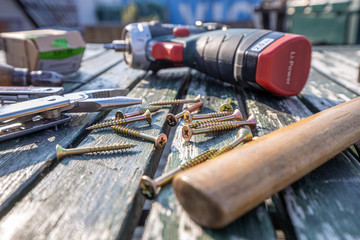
(263, 59)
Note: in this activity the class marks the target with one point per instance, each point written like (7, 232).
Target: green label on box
(61, 54)
(60, 42)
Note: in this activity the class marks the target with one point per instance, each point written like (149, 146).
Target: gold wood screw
(105, 149)
(244, 135)
(120, 115)
(189, 117)
(159, 141)
(150, 188)
(226, 106)
(187, 132)
(146, 116)
(176, 101)
(236, 115)
(172, 119)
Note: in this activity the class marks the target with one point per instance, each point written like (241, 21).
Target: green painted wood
(96, 197)
(24, 159)
(339, 67)
(167, 219)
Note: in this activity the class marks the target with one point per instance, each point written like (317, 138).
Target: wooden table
(97, 197)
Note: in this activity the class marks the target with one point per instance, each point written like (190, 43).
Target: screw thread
(107, 123)
(223, 150)
(127, 131)
(105, 148)
(209, 124)
(223, 127)
(218, 114)
(202, 122)
(198, 159)
(151, 109)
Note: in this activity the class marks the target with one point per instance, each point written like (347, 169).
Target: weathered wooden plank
(304, 211)
(321, 93)
(350, 52)
(321, 205)
(22, 159)
(167, 219)
(2, 57)
(338, 67)
(92, 68)
(93, 50)
(95, 197)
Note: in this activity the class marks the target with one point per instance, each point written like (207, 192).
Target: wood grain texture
(167, 219)
(316, 202)
(92, 50)
(23, 159)
(95, 197)
(339, 67)
(320, 93)
(91, 68)
(291, 152)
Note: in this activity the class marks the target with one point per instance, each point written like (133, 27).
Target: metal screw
(176, 101)
(114, 148)
(189, 117)
(236, 116)
(226, 106)
(187, 132)
(244, 135)
(172, 119)
(150, 188)
(120, 115)
(146, 116)
(159, 141)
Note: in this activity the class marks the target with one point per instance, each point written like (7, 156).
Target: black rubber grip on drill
(215, 55)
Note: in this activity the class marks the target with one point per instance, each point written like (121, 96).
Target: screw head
(251, 121)
(237, 115)
(148, 187)
(171, 120)
(161, 140)
(119, 115)
(245, 133)
(187, 117)
(186, 133)
(60, 152)
(226, 107)
(148, 116)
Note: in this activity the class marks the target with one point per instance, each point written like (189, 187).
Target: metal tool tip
(46, 78)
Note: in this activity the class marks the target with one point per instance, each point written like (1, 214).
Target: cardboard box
(47, 49)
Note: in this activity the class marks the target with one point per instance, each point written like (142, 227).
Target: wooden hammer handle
(219, 191)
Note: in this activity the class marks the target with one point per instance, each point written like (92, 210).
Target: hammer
(219, 191)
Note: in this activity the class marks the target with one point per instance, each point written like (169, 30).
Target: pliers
(34, 115)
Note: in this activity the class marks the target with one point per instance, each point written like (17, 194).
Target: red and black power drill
(263, 59)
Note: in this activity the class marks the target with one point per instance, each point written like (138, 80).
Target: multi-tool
(14, 94)
(37, 114)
